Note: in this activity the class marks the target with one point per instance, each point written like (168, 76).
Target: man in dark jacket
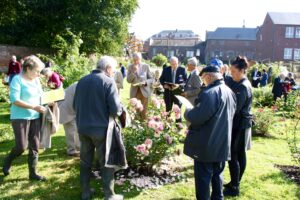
(173, 74)
(96, 99)
(277, 89)
(209, 137)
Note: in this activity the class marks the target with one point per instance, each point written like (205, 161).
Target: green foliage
(6, 133)
(263, 97)
(263, 119)
(3, 93)
(157, 129)
(159, 59)
(69, 62)
(103, 23)
(290, 106)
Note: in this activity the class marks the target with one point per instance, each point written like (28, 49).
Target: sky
(200, 16)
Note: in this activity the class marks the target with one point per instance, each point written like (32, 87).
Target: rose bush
(149, 141)
(263, 119)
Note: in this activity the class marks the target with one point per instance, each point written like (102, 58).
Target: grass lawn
(262, 180)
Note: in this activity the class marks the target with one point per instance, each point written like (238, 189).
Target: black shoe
(232, 191)
(228, 185)
(7, 165)
(88, 195)
(6, 170)
(36, 177)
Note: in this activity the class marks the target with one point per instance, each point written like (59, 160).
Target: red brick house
(278, 39)
(227, 43)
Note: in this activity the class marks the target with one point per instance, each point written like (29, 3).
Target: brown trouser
(144, 100)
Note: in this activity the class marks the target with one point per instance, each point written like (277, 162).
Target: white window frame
(297, 32)
(296, 54)
(189, 54)
(289, 32)
(287, 55)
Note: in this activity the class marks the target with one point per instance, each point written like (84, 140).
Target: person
(156, 86)
(14, 68)
(54, 80)
(263, 79)
(123, 70)
(25, 113)
(209, 136)
(68, 119)
(140, 78)
(119, 80)
(270, 74)
(96, 99)
(193, 84)
(290, 79)
(277, 89)
(242, 122)
(255, 77)
(173, 74)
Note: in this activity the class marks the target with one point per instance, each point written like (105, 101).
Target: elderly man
(193, 84)
(141, 79)
(96, 99)
(173, 74)
(14, 68)
(209, 137)
(68, 119)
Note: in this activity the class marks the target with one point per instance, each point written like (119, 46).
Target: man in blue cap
(209, 137)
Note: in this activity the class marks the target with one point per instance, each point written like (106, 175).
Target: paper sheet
(53, 95)
(184, 101)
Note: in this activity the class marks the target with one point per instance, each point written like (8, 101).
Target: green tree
(159, 59)
(103, 24)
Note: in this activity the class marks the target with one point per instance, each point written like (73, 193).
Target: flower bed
(149, 141)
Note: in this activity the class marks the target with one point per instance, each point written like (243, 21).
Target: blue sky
(152, 16)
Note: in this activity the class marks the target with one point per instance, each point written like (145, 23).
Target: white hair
(137, 55)
(215, 75)
(174, 58)
(106, 62)
(192, 61)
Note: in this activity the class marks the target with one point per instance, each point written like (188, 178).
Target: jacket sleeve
(149, 76)
(184, 75)
(196, 84)
(162, 78)
(241, 98)
(113, 101)
(131, 76)
(204, 111)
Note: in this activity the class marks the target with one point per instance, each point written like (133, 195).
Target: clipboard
(184, 102)
(53, 96)
(139, 84)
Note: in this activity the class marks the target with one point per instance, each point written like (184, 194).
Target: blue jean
(206, 173)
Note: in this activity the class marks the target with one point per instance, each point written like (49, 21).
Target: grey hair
(174, 58)
(32, 62)
(193, 61)
(46, 70)
(106, 62)
(215, 76)
(137, 55)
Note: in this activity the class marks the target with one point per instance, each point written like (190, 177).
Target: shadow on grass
(61, 170)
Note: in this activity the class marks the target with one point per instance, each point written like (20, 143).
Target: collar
(96, 71)
(215, 83)
(195, 71)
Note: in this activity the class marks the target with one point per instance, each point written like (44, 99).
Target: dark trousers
(237, 164)
(27, 134)
(170, 99)
(90, 145)
(206, 173)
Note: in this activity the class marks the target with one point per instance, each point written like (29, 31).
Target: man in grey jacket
(96, 99)
(209, 137)
(193, 84)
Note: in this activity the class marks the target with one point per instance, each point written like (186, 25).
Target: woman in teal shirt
(25, 96)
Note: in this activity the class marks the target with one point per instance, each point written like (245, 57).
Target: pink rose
(168, 139)
(146, 153)
(148, 143)
(177, 115)
(133, 102)
(164, 114)
(176, 108)
(180, 125)
(140, 106)
(140, 148)
(151, 124)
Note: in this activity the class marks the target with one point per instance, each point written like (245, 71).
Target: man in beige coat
(68, 119)
(141, 79)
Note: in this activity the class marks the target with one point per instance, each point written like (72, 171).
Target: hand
(40, 109)
(184, 94)
(51, 104)
(166, 86)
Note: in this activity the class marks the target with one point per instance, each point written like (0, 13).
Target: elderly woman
(242, 122)
(54, 80)
(25, 95)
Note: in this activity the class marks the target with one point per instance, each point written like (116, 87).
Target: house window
(189, 54)
(296, 54)
(297, 33)
(287, 53)
(198, 52)
(170, 53)
(154, 51)
(289, 32)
